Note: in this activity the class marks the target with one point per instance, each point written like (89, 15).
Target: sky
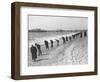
(57, 22)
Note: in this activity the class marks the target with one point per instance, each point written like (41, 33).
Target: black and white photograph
(53, 40)
(57, 40)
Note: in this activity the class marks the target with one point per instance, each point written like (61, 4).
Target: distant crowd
(36, 49)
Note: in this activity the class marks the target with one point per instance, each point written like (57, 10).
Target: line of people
(36, 50)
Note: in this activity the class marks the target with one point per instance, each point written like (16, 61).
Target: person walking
(81, 34)
(63, 40)
(73, 36)
(66, 38)
(46, 44)
(57, 42)
(34, 53)
(70, 38)
(51, 43)
(39, 49)
(85, 34)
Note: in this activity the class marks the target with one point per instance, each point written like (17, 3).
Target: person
(46, 44)
(34, 53)
(66, 38)
(57, 42)
(70, 38)
(85, 34)
(73, 36)
(39, 49)
(76, 35)
(63, 40)
(51, 43)
(81, 34)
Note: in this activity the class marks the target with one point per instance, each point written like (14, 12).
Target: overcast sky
(57, 22)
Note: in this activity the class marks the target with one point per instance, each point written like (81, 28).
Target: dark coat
(76, 35)
(70, 38)
(85, 33)
(38, 46)
(39, 49)
(57, 42)
(51, 43)
(46, 44)
(73, 36)
(63, 39)
(34, 52)
(81, 34)
(66, 38)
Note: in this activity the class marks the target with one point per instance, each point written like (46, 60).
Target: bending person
(63, 40)
(34, 53)
(57, 42)
(51, 43)
(39, 49)
(46, 44)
